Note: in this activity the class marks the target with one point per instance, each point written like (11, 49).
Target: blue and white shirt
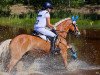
(41, 19)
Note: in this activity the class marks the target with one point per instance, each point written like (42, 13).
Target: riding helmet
(47, 5)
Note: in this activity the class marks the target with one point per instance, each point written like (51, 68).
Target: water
(88, 62)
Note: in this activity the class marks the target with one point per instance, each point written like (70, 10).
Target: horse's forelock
(56, 24)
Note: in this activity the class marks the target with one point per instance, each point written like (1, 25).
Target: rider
(43, 21)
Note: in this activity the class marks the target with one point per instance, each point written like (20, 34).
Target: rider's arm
(48, 23)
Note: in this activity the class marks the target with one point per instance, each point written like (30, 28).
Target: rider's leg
(52, 35)
(46, 32)
(53, 47)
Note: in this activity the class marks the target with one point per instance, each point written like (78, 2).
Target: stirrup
(55, 51)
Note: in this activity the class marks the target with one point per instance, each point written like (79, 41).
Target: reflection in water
(87, 47)
(10, 32)
(91, 51)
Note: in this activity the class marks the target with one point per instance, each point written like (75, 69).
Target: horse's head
(73, 26)
(67, 24)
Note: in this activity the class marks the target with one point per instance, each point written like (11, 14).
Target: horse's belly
(36, 53)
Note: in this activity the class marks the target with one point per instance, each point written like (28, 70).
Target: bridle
(63, 31)
(60, 31)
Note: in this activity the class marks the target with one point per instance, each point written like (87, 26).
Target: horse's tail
(4, 46)
(4, 51)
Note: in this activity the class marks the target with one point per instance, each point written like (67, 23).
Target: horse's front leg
(64, 54)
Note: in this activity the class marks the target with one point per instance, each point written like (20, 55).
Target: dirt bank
(19, 9)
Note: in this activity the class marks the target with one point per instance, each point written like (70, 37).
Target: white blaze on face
(74, 22)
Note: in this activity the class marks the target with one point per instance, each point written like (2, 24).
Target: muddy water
(87, 46)
(9, 32)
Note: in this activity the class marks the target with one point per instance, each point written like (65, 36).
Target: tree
(92, 2)
(4, 7)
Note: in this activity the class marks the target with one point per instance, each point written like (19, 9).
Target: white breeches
(46, 32)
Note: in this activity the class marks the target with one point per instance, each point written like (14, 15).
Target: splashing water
(4, 46)
(47, 65)
(77, 65)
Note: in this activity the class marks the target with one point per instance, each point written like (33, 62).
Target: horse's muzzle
(77, 33)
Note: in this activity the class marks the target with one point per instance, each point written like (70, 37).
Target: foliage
(93, 2)
(60, 11)
(4, 7)
(77, 3)
(29, 19)
(58, 4)
(38, 3)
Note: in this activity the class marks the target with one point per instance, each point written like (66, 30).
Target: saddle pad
(44, 37)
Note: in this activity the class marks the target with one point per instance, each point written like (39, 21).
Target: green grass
(88, 24)
(28, 22)
(16, 22)
(21, 23)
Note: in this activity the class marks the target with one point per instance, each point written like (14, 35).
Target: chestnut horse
(27, 43)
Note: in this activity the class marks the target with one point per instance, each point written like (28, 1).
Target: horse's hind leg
(13, 61)
(64, 54)
(15, 57)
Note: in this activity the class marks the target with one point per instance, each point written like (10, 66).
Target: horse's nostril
(79, 33)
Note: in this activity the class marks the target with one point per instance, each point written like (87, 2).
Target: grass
(21, 23)
(88, 24)
(29, 22)
(16, 22)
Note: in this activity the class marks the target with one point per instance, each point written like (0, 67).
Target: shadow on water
(87, 46)
(10, 32)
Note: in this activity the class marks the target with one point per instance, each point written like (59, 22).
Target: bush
(77, 3)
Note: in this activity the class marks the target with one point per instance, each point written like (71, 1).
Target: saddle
(48, 38)
(38, 34)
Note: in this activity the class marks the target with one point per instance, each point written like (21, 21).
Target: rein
(64, 31)
(61, 31)
(64, 28)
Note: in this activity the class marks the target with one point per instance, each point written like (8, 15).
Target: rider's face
(49, 10)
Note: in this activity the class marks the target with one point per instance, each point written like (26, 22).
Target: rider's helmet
(47, 5)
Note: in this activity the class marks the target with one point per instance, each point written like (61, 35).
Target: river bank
(29, 22)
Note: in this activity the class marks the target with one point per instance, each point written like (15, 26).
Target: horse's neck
(63, 26)
(61, 30)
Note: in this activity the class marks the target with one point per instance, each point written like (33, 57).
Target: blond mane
(56, 24)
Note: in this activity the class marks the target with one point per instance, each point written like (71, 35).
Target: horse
(24, 43)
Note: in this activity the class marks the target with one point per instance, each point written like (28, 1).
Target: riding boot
(53, 47)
